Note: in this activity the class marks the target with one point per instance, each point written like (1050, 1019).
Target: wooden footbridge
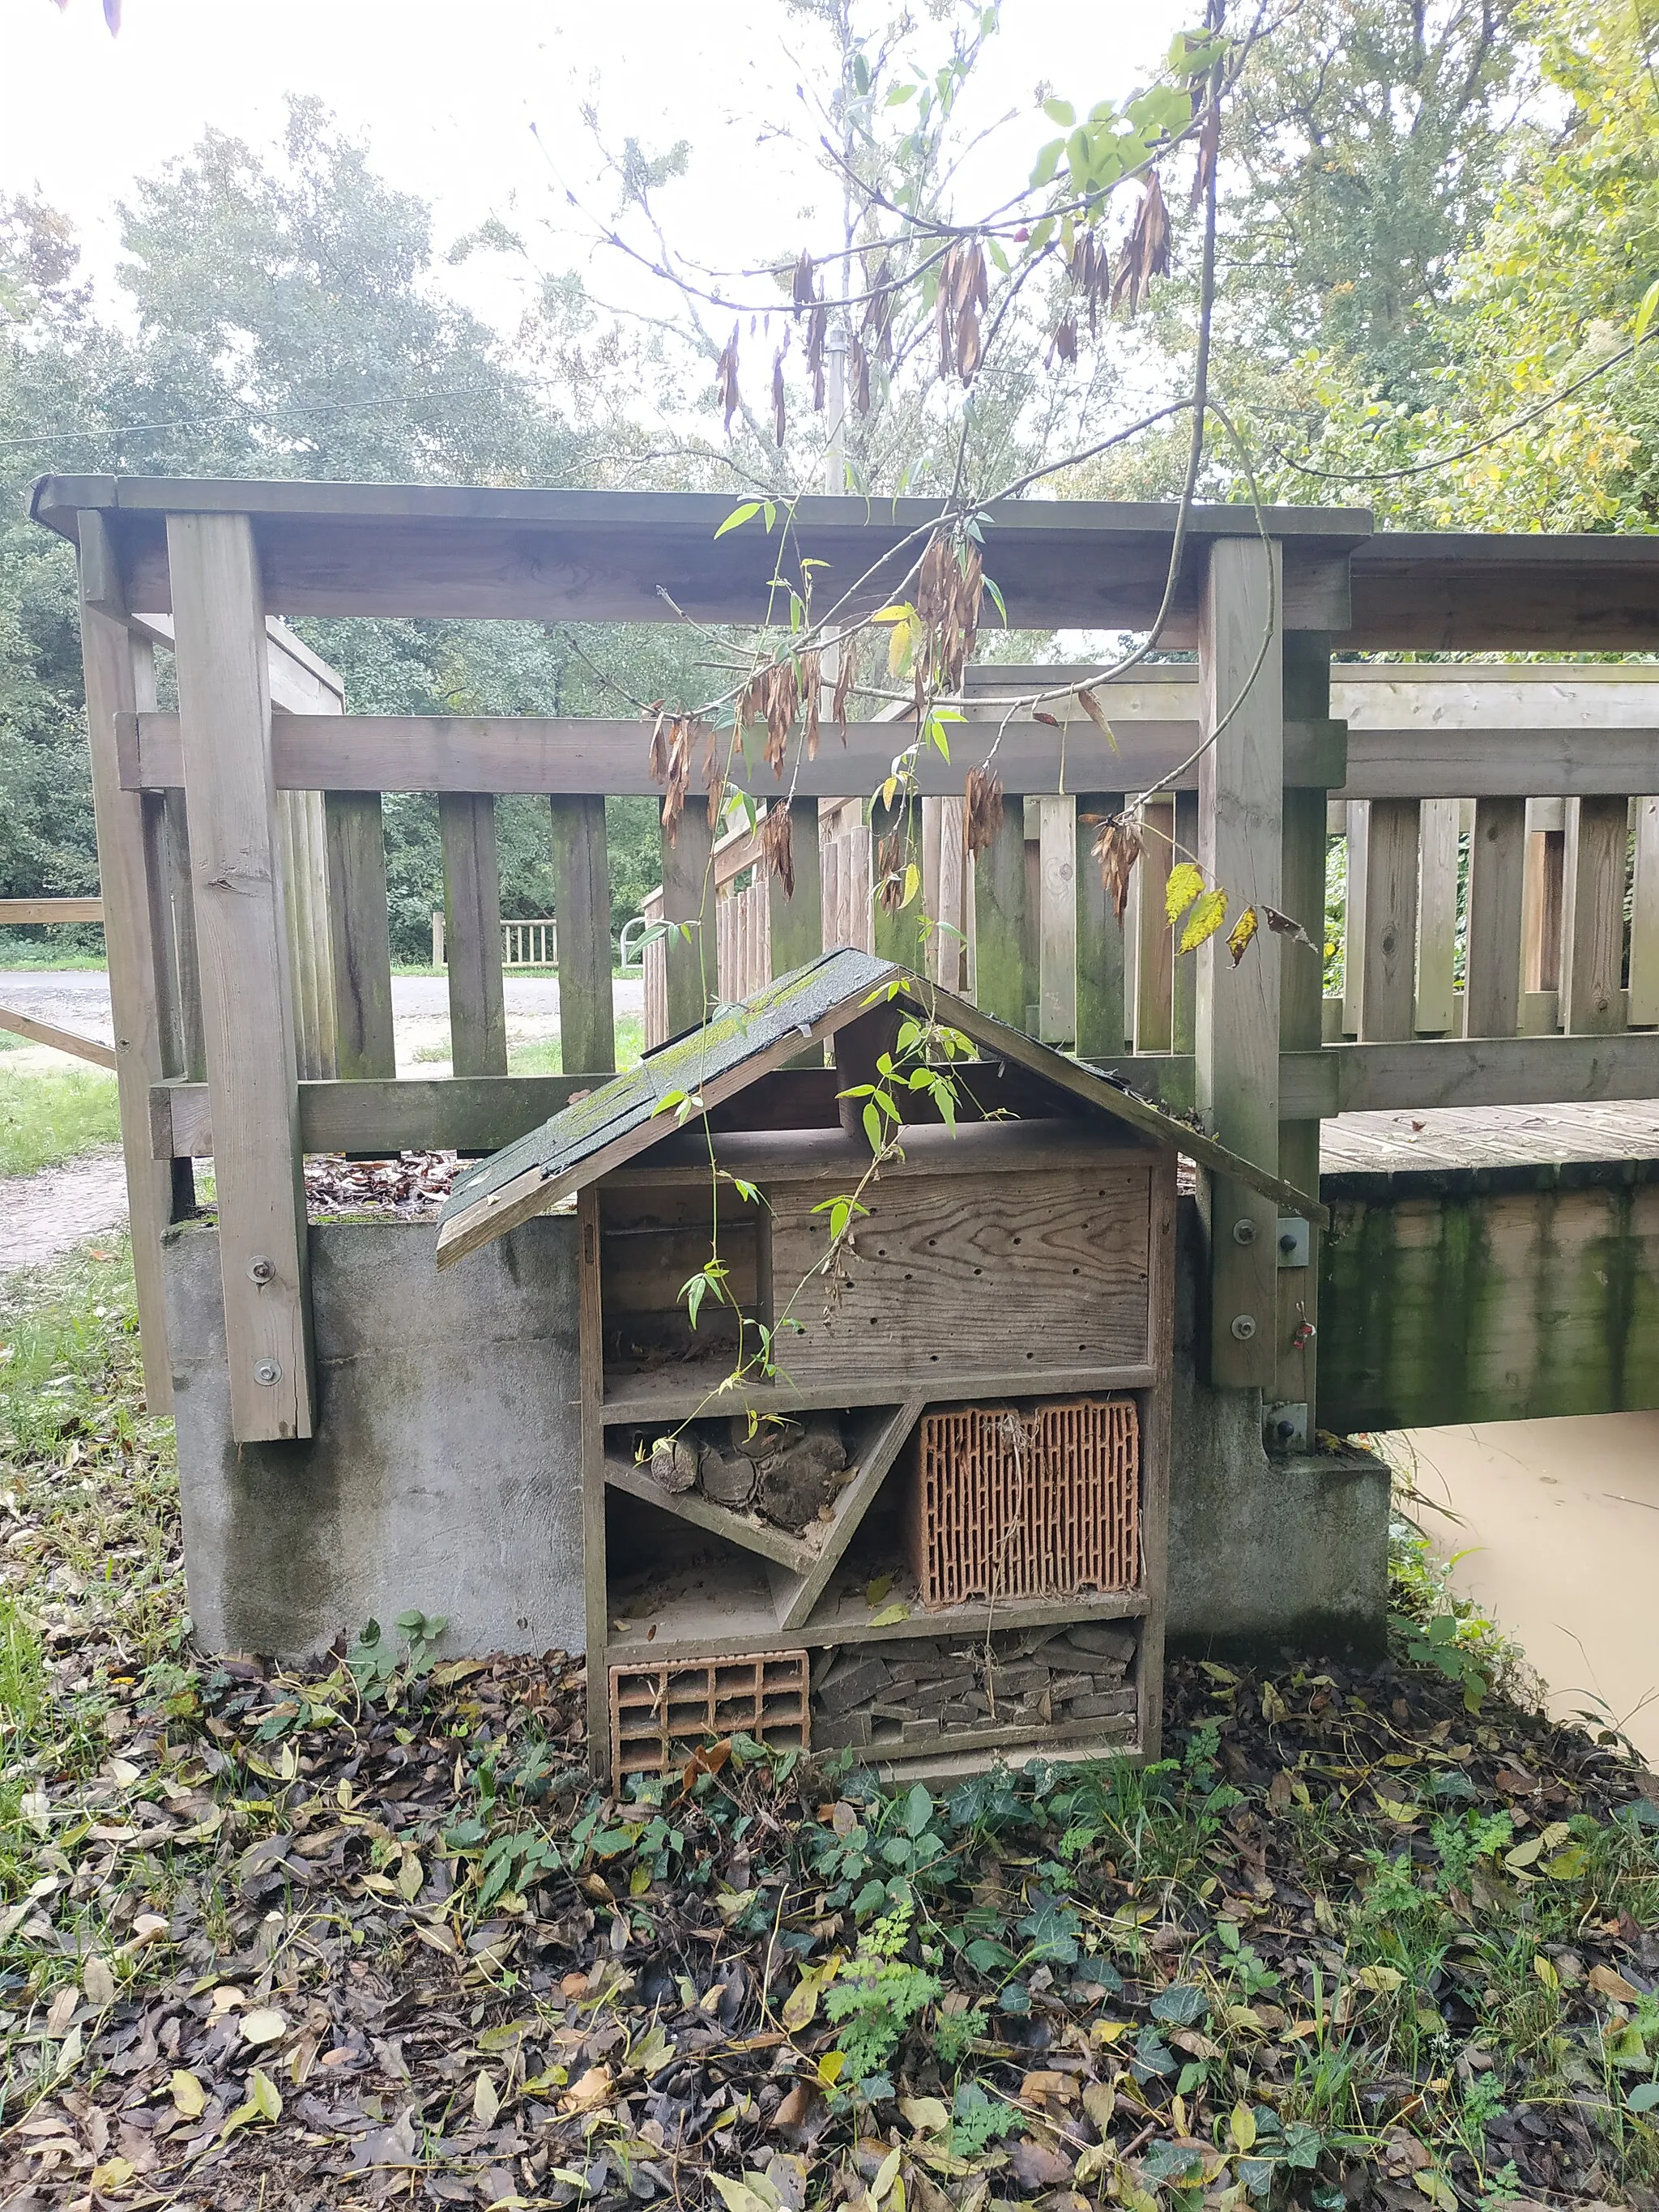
(1498, 825)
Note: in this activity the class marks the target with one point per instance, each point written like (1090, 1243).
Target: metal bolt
(261, 1270)
(1243, 1327)
(1287, 1243)
(270, 1370)
(1244, 1231)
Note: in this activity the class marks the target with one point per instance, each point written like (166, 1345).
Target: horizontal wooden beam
(1473, 592)
(13, 912)
(70, 1040)
(542, 556)
(480, 1113)
(1404, 748)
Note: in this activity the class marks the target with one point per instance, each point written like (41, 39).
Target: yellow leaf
(928, 2115)
(189, 2097)
(98, 1982)
(800, 2006)
(1383, 1979)
(1546, 1971)
(886, 2175)
(639, 1881)
(1272, 1705)
(1185, 883)
(1392, 1808)
(830, 2068)
(266, 2025)
(1205, 918)
(266, 2101)
(886, 1618)
(1523, 1854)
(894, 614)
(1107, 2031)
(1241, 2128)
(1238, 937)
(411, 1875)
(738, 2196)
(485, 2102)
(113, 2174)
(912, 882)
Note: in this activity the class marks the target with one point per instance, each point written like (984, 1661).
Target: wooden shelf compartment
(809, 1557)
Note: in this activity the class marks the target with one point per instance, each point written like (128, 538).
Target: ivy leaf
(1206, 917)
(1185, 883)
(1182, 2005)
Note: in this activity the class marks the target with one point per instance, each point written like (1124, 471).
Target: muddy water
(1558, 1523)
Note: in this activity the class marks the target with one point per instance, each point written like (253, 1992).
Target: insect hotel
(903, 1487)
(1041, 1408)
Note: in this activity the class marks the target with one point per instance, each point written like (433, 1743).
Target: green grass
(545, 1057)
(20, 951)
(48, 1119)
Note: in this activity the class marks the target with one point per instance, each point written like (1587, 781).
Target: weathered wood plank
(797, 1595)
(1358, 818)
(224, 717)
(473, 933)
(1498, 854)
(1240, 793)
(797, 922)
(69, 1040)
(1434, 1011)
(699, 1512)
(1421, 757)
(691, 950)
(1389, 953)
(1593, 916)
(590, 1360)
(1100, 939)
(1300, 1017)
(302, 839)
(581, 899)
(1644, 916)
(1057, 919)
(895, 849)
(183, 901)
(1523, 1071)
(360, 938)
(1004, 984)
(16, 913)
(111, 689)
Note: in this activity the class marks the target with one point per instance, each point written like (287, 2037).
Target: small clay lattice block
(1005, 1503)
(660, 1715)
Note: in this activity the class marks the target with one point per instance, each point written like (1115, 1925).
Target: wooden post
(1354, 915)
(1183, 974)
(691, 962)
(797, 923)
(951, 944)
(896, 932)
(1644, 917)
(360, 938)
(590, 1317)
(581, 899)
(1389, 952)
(1436, 1011)
(1004, 985)
(1301, 1010)
(1497, 864)
(107, 656)
(184, 937)
(247, 1022)
(1099, 938)
(1593, 916)
(1240, 793)
(473, 933)
(1154, 939)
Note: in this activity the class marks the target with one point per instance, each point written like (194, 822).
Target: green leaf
(1060, 112)
(1644, 2096)
(1206, 917)
(693, 1293)
(918, 1810)
(898, 94)
(1185, 883)
(745, 513)
(996, 596)
(873, 1127)
(1048, 161)
(1646, 312)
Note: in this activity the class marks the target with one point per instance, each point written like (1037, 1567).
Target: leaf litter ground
(363, 1933)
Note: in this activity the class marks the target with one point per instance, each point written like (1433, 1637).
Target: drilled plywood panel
(660, 1715)
(1002, 1503)
(951, 1274)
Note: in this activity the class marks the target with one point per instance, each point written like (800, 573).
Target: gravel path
(42, 1215)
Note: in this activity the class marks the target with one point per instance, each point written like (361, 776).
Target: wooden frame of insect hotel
(898, 1481)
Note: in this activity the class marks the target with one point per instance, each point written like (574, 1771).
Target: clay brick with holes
(1040, 1501)
(660, 1715)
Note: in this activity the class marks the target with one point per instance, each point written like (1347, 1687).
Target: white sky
(445, 92)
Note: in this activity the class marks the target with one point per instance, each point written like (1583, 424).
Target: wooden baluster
(135, 997)
(581, 898)
(473, 933)
(1644, 917)
(1057, 919)
(1436, 1011)
(1389, 948)
(1593, 916)
(1305, 843)
(1100, 938)
(224, 722)
(797, 923)
(1005, 985)
(1497, 861)
(691, 962)
(951, 943)
(1353, 915)
(193, 1051)
(1240, 795)
(1155, 941)
(895, 930)
(360, 935)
